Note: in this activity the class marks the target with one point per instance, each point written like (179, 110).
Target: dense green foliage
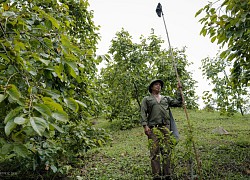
(227, 22)
(46, 95)
(133, 66)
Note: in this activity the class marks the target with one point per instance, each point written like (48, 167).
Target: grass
(222, 156)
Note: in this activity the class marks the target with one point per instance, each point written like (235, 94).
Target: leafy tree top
(228, 23)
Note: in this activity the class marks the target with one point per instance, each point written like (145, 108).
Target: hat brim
(152, 83)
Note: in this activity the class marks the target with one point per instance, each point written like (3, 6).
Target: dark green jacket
(153, 113)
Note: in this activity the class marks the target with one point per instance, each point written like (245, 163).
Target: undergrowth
(222, 144)
(222, 156)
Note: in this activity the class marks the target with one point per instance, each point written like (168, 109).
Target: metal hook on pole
(160, 13)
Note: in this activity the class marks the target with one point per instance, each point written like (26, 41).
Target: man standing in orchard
(156, 123)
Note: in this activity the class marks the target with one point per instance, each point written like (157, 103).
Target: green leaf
(73, 69)
(72, 104)
(81, 103)
(198, 12)
(2, 97)
(70, 58)
(6, 149)
(100, 143)
(213, 39)
(57, 128)
(53, 94)
(9, 127)
(11, 70)
(52, 104)
(203, 32)
(54, 169)
(48, 24)
(45, 55)
(59, 71)
(46, 62)
(68, 46)
(39, 125)
(8, 13)
(5, 57)
(48, 42)
(14, 92)
(21, 150)
(20, 120)
(34, 43)
(223, 54)
(18, 46)
(47, 16)
(60, 115)
(12, 114)
(43, 109)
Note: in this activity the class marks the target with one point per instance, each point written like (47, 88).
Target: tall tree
(228, 23)
(46, 72)
(223, 97)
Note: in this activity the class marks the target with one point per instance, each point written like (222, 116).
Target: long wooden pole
(183, 99)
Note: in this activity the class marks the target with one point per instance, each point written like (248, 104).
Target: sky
(138, 17)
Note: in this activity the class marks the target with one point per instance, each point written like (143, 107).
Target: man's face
(156, 87)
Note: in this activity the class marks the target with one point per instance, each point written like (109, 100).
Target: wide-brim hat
(152, 83)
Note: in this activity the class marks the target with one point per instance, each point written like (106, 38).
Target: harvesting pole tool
(159, 12)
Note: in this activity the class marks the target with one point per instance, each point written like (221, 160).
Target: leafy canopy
(228, 23)
(46, 70)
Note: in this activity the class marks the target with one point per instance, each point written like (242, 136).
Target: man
(156, 123)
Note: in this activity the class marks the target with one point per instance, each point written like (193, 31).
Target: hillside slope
(222, 144)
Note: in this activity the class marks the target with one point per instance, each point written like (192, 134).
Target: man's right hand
(147, 130)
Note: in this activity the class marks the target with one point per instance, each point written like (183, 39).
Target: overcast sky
(139, 16)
